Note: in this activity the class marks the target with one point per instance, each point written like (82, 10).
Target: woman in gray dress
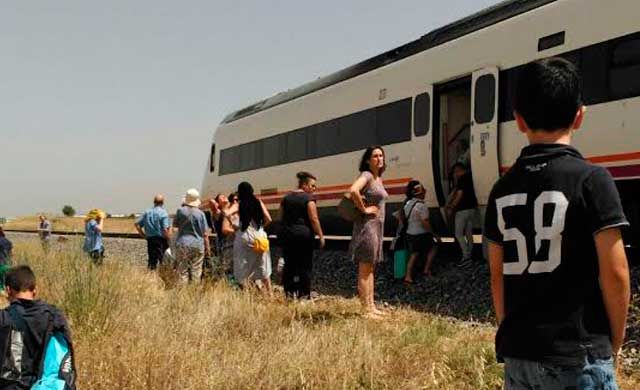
(369, 197)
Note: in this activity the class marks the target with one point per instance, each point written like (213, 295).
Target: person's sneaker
(465, 263)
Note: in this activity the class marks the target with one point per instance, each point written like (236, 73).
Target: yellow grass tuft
(132, 333)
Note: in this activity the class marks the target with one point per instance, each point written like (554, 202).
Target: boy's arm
(614, 282)
(496, 254)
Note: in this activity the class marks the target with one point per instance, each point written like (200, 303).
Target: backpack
(56, 369)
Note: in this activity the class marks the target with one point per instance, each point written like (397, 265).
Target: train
(436, 100)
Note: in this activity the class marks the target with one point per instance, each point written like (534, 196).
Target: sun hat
(192, 198)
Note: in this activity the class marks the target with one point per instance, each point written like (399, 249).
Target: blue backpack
(55, 369)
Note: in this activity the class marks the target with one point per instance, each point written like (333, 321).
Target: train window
(356, 131)
(421, 114)
(624, 74)
(485, 98)
(393, 123)
(212, 158)
(229, 160)
(323, 137)
(296, 146)
(270, 151)
(594, 74)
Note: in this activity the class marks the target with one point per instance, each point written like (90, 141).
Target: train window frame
(212, 158)
(422, 114)
(484, 99)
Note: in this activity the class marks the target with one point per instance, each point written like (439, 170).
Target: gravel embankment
(452, 291)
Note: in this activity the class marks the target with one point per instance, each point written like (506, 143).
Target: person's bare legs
(365, 289)
(266, 286)
(430, 256)
(412, 261)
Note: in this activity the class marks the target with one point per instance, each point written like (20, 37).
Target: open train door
(484, 131)
(423, 114)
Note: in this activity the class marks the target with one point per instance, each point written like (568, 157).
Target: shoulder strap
(412, 207)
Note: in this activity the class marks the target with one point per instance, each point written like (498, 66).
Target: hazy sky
(104, 103)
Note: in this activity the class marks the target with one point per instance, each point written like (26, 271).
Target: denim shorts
(527, 375)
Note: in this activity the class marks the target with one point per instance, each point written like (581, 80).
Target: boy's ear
(579, 118)
(522, 124)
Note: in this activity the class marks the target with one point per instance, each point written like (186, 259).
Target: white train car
(426, 100)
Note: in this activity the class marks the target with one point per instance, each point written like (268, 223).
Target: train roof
(487, 17)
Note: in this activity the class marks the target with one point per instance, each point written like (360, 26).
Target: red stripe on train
(625, 171)
(336, 195)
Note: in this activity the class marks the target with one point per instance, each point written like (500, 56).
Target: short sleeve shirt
(544, 213)
(295, 217)
(92, 237)
(154, 221)
(416, 211)
(192, 225)
(468, 201)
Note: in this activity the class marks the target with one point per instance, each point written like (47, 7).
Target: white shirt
(419, 213)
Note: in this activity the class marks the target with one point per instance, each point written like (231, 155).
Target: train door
(484, 132)
(422, 124)
(451, 136)
(452, 116)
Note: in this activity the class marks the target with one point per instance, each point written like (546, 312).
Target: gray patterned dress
(368, 231)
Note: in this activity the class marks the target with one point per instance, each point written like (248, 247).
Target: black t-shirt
(295, 217)
(468, 201)
(545, 212)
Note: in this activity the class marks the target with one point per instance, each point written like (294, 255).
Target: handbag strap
(411, 209)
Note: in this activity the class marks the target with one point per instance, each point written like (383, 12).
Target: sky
(105, 103)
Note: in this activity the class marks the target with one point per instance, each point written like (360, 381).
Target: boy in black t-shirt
(559, 273)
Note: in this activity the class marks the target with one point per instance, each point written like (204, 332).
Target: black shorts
(421, 243)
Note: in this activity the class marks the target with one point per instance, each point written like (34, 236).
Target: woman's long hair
(250, 208)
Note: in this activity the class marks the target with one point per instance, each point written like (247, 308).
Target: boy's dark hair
(410, 191)
(20, 278)
(364, 162)
(548, 94)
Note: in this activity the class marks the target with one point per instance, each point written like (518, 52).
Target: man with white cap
(192, 242)
(154, 226)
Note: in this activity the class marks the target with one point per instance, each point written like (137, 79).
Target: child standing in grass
(26, 328)
(559, 273)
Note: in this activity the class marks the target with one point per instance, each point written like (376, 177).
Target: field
(132, 333)
(71, 224)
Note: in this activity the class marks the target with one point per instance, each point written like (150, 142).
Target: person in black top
(463, 202)
(299, 222)
(559, 273)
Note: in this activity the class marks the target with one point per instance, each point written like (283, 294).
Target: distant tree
(68, 211)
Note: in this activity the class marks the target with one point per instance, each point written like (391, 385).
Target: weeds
(133, 333)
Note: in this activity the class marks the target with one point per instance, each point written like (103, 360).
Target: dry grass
(71, 224)
(131, 333)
